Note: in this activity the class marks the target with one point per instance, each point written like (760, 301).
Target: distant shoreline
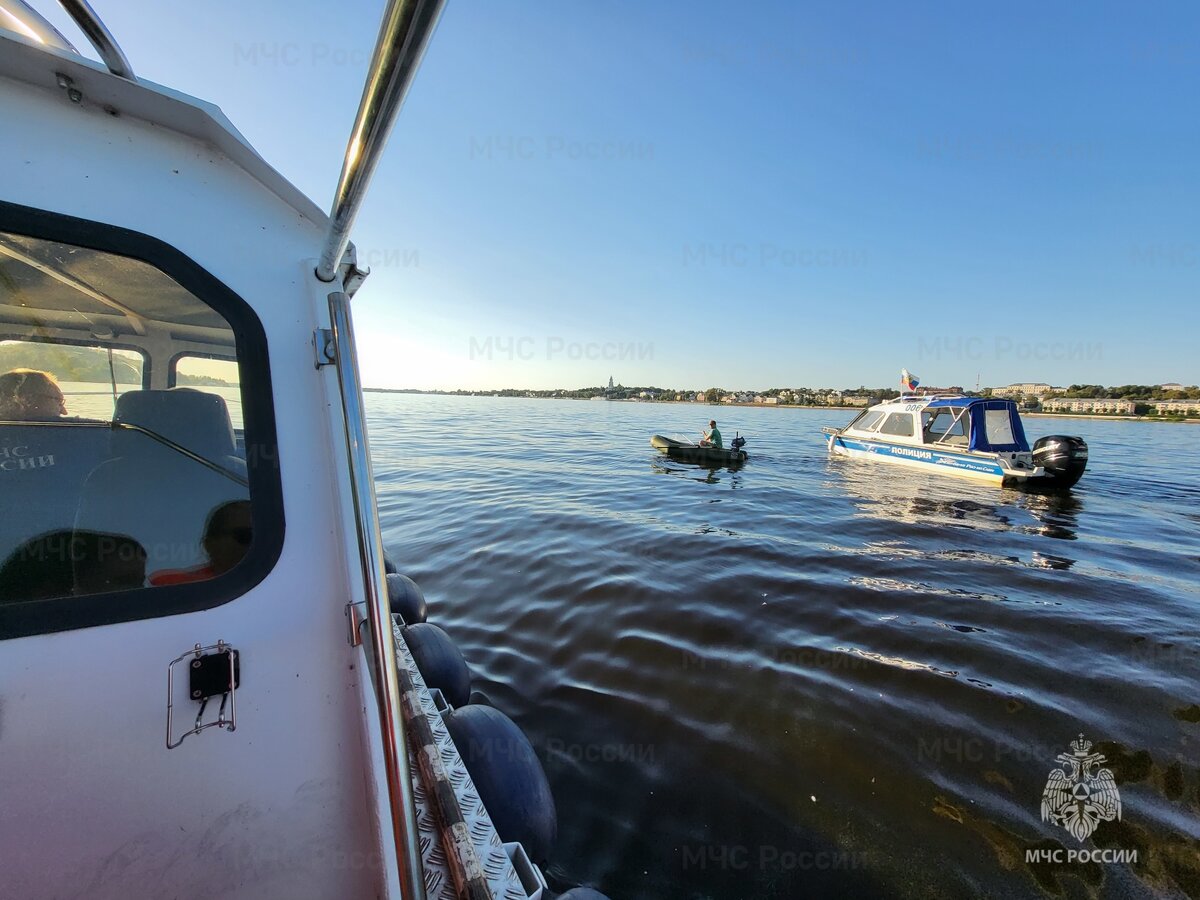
(1024, 413)
(368, 390)
(1074, 415)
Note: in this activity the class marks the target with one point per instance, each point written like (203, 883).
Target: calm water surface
(812, 677)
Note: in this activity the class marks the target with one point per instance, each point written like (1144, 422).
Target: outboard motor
(1064, 458)
(737, 443)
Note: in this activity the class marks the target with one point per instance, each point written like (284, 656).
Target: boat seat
(154, 494)
(42, 469)
(64, 562)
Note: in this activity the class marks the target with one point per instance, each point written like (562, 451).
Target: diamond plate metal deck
(439, 885)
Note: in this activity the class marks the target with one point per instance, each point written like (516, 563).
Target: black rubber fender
(406, 598)
(508, 776)
(441, 664)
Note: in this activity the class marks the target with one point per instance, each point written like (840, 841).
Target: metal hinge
(323, 349)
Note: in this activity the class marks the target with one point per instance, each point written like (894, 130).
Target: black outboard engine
(1064, 459)
(737, 443)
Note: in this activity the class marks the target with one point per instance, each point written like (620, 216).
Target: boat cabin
(972, 424)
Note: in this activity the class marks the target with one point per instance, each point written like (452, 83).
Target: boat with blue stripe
(971, 437)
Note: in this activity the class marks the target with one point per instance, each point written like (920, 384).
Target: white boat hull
(982, 467)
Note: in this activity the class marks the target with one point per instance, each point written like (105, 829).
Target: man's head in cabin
(27, 394)
(227, 535)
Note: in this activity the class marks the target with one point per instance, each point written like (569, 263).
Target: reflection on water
(914, 497)
(706, 474)
(801, 679)
(1050, 561)
(1057, 514)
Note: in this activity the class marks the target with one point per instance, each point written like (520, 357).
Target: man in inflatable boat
(712, 437)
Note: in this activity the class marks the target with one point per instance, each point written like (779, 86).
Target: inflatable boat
(685, 451)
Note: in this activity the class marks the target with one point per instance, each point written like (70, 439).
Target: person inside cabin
(227, 536)
(30, 395)
(712, 437)
(107, 562)
(65, 562)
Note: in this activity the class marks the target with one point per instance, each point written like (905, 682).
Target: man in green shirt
(712, 437)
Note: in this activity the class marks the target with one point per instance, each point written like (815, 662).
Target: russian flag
(908, 381)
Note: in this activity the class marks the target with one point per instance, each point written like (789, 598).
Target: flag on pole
(908, 381)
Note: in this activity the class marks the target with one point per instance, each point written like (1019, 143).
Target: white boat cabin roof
(46, 67)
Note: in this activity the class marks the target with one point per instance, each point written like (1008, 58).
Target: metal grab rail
(403, 35)
(383, 644)
(19, 16)
(99, 37)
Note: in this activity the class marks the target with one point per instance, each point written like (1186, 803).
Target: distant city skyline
(805, 195)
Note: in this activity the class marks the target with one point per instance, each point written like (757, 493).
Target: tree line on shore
(1128, 392)
(806, 396)
(794, 396)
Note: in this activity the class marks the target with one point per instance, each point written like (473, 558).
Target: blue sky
(782, 194)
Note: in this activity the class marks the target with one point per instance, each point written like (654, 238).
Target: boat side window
(898, 423)
(126, 496)
(868, 421)
(946, 426)
(998, 423)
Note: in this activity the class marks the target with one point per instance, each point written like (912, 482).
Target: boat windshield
(866, 420)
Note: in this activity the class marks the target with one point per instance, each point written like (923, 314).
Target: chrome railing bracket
(356, 616)
(324, 352)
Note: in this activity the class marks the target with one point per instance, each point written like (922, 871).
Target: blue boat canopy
(995, 424)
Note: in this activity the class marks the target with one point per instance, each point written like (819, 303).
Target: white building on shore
(1025, 388)
(1176, 407)
(1089, 405)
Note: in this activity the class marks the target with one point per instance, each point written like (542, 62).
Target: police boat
(971, 437)
(211, 685)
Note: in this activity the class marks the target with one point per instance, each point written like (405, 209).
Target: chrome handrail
(33, 24)
(99, 36)
(403, 36)
(383, 644)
